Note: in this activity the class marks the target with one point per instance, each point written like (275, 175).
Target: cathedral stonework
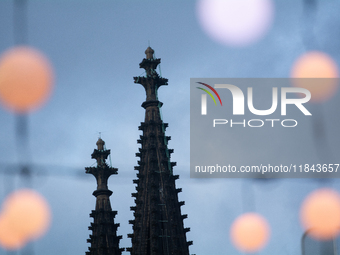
(104, 239)
(158, 227)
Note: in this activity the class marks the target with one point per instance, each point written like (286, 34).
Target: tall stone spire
(158, 225)
(104, 239)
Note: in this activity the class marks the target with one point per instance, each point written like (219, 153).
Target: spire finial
(151, 81)
(100, 144)
(149, 53)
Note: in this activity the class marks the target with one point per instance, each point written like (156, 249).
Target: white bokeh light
(235, 22)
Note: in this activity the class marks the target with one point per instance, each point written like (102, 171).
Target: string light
(9, 239)
(320, 214)
(235, 22)
(250, 232)
(319, 71)
(25, 216)
(26, 79)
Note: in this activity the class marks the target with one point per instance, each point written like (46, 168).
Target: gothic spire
(158, 225)
(104, 239)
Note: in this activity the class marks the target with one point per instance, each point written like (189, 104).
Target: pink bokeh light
(235, 22)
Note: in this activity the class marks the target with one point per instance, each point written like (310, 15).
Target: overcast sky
(95, 48)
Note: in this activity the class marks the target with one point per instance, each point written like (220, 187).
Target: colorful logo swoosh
(209, 93)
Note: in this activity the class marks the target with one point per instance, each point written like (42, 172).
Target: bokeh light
(250, 232)
(26, 79)
(315, 64)
(235, 22)
(312, 65)
(320, 214)
(27, 214)
(8, 238)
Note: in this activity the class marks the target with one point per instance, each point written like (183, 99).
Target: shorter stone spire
(104, 239)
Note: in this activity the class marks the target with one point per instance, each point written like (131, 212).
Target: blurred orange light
(319, 65)
(27, 213)
(315, 64)
(25, 79)
(250, 232)
(320, 214)
(235, 22)
(9, 239)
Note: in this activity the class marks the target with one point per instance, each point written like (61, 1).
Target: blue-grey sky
(95, 48)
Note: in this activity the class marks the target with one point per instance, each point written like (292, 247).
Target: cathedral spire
(158, 225)
(104, 239)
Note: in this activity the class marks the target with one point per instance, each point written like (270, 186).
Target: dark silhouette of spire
(158, 225)
(104, 239)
